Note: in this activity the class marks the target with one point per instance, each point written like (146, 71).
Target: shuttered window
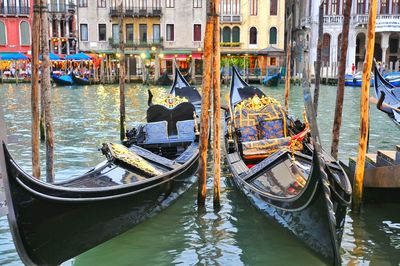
(25, 33)
(3, 38)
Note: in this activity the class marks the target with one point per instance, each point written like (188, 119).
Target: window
(170, 32)
(115, 33)
(395, 7)
(326, 7)
(226, 34)
(236, 34)
(326, 48)
(273, 8)
(142, 4)
(101, 3)
(24, 7)
(143, 33)
(253, 7)
(11, 6)
(102, 32)
(25, 32)
(253, 35)
(84, 32)
(3, 38)
(197, 3)
(170, 3)
(273, 36)
(83, 3)
(156, 33)
(384, 7)
(360, 6)
(335, 7)
(197, 32)
(157, 4)
(129, 33)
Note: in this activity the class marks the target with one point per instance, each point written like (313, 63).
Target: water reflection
(236, 235)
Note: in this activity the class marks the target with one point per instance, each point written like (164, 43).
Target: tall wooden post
(205, 106)
(319, 56)
(364, 102)
(121, 73)
(217, 105)
(46, 88)
(337, 122)
(35, 89)
(288, 59)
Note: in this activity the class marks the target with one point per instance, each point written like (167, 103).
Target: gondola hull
(80, 81)
(64, 80)
(51, 226)
(301, 217)
(272, 81)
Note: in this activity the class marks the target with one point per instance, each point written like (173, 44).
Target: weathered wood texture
(287, 78)
(46, 88)
(122, 112)
(318, 64)
(205, 106)
(217, 106)
(364, 113)
(337, 122)
(35, 105)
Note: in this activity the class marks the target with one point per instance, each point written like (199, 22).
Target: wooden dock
(382, 175)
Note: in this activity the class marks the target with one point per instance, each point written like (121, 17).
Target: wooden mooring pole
(35, 90)
(46, 85)
(288, 59)
(217, 105)
(337, 122)
(205, 106)
(122, 114)
(364, 114)
(318, 64)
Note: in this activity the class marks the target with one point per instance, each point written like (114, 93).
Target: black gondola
(388, 95)
(52, 223)
(78, 80)
(273, 164)
(64, 80)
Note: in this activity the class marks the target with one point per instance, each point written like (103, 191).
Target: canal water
(85, 117)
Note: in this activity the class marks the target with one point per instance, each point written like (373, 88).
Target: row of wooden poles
(211, 86)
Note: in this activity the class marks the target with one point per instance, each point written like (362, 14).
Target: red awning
(197, 55)
(176, 56)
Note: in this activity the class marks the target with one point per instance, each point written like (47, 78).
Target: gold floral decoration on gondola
(170, 101)
(121, 153)
(256, 103)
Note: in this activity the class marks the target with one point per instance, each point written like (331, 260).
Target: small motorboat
(79, 80)
(393, 78)
(63, 80)
(355, 80)
(272, 78)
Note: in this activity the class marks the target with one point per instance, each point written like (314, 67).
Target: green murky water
(237, 234)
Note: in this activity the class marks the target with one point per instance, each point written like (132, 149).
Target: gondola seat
(260, 149)
(157, 132)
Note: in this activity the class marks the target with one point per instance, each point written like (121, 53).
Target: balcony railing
(230, 44)
(229, 18)
(137, 11)
(15, 11)
(62, 8)
(114, 43)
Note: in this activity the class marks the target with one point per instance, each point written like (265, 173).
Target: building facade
(15, 26)
(254, 28)
(387, 45)
(63, 26)
(94, 25)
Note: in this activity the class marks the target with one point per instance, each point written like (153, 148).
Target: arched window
(273, 8)
(25, 33)
(326, 48)
(226, 34)
(236, 34)
(253, 35)
(273, 36)
(3, 38)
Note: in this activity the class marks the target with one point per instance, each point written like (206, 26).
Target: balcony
(22, 11)
(333, 19)
(137, 11)
(230, 44)
(229, 18)
(137, 43)
(305, 22)
(62, 8)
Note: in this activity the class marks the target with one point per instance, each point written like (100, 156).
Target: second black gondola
(273, 164)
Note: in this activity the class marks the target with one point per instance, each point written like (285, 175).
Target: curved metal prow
(179, 81)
